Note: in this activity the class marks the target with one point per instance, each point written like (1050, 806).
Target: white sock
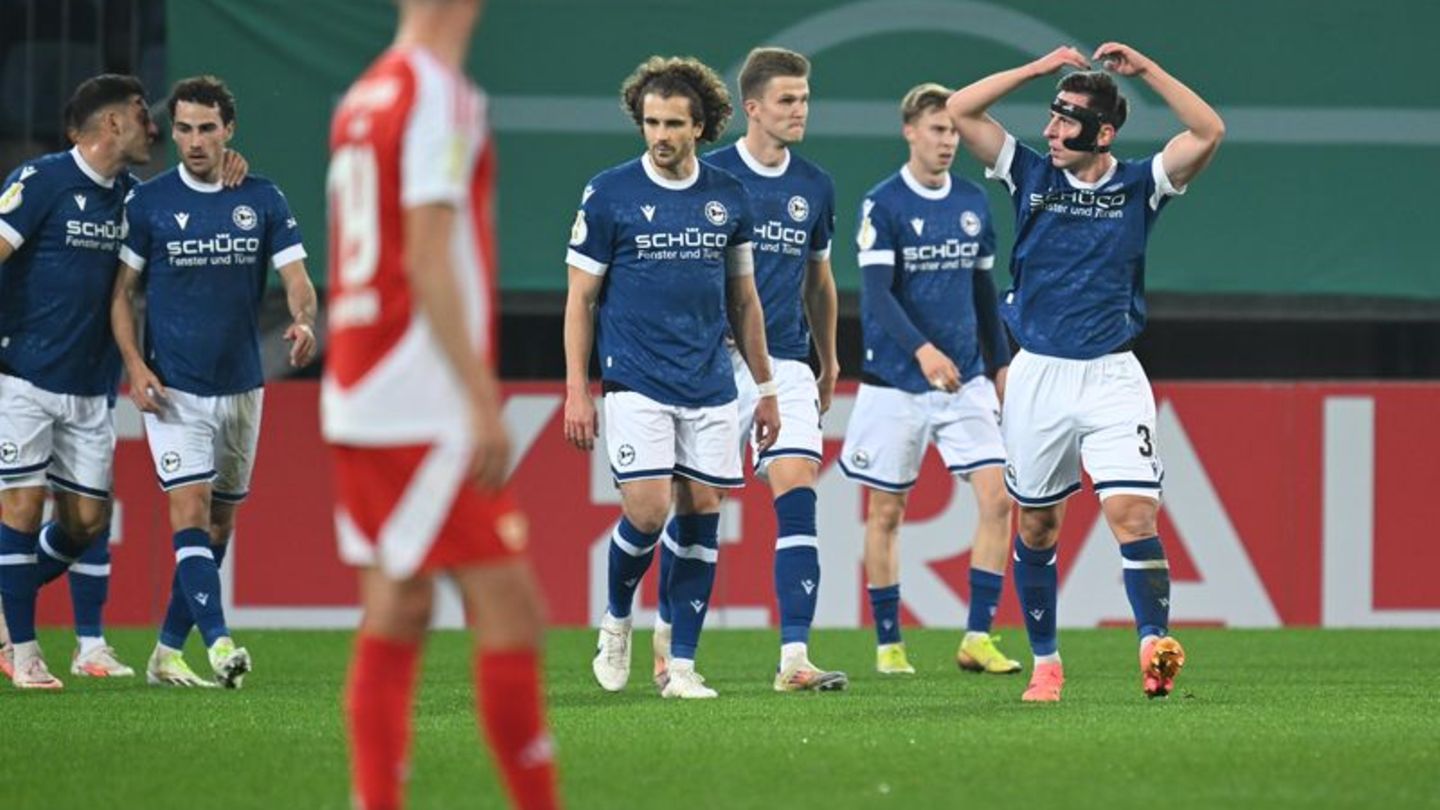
(89, 644)
(26, 649)
(677, 664)
(1147, 640)
(1052, 658)
(795, 650)
(161, 648)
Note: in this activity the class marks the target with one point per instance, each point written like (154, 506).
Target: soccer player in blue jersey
(660, 259)
(1076, 306)
(935, 364)
(60, 226)
(793, 202)
(205, 252)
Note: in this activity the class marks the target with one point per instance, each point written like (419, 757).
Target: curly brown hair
(680, 76)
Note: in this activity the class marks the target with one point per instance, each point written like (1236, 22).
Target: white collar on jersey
(1084, 186)
(100, 180)
(760, 168)
(196, 183)
(664, 182)
(923, 190)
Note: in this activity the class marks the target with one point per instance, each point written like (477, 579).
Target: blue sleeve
(25, 203)
(744, 217)
(135, 249)
(994, 342)
(876, 241)
(592, 236)
(823, 231)
(282, 231)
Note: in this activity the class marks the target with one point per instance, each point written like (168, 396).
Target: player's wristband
(769, 388)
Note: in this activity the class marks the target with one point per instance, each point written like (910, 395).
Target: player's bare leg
(1036, 582)
(884, 513)
(644, 506)
(505, 610)
(787, 475)
(21, 511)
(1133, 519)
(988, 554)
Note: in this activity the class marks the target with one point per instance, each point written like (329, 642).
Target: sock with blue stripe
(984, 599)
(631, 551)
(90, 587)
(1147, 583)
(18, 582)
(57, 550)
(885, 608)
(797, 564)
(200, 580)
(178, 622)
(697, 549)
(667, 565)
(1037, 583)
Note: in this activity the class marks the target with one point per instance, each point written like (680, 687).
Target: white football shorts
(889, 430)
(648, 439)
(197, 439)
(1062, 413)
(63, 439)
(800, 432)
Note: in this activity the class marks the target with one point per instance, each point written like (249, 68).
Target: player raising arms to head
(1077, 395)
(661, 246)
(933, 341)
(411, 405)
(793, 203)
(205, 252)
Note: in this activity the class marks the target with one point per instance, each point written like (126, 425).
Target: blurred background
(1294, 292)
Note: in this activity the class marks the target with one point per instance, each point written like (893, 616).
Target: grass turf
(1292, 718)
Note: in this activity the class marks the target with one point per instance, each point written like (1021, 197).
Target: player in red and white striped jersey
(411, 405)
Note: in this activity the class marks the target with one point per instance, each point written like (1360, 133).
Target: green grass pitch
(1293, 718)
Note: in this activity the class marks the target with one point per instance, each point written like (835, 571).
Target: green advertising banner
(1333, 120)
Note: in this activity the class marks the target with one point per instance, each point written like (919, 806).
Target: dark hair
(1102, 93)
(97, 93)
(923, 98)
(680, 76)
(764, 64)
(207, 91)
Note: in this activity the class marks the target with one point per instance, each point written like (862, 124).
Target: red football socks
(512, 711)
(378, 701)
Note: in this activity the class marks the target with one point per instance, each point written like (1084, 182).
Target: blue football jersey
(794, 209)
(1078, 268)
(661, 246)
(204, 251)
(935, 240)
(65, 222)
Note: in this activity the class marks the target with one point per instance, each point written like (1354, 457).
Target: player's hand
(826, 383)
(767, 423)
(1122, 59)
(1000, 377)
(302, 344)
(233, 168)
(581, 426)
(492, 447)
(937, 368)
(1063, 56)
(146, 390)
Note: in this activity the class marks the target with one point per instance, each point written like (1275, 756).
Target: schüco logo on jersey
(950, 249)
(1056, 199)
(219, 249)
(80, 229)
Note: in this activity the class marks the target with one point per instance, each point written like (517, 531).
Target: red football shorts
(412, 508)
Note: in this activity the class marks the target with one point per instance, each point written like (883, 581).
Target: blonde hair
(923, 98)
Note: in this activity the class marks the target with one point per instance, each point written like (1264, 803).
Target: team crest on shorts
(625, 456)
(170, 462)
(8, 452)
(513, 530)
(244, 218)
(860, 459)
(798, 208)
(970, 223)
(1010, 474)
(716, 212)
